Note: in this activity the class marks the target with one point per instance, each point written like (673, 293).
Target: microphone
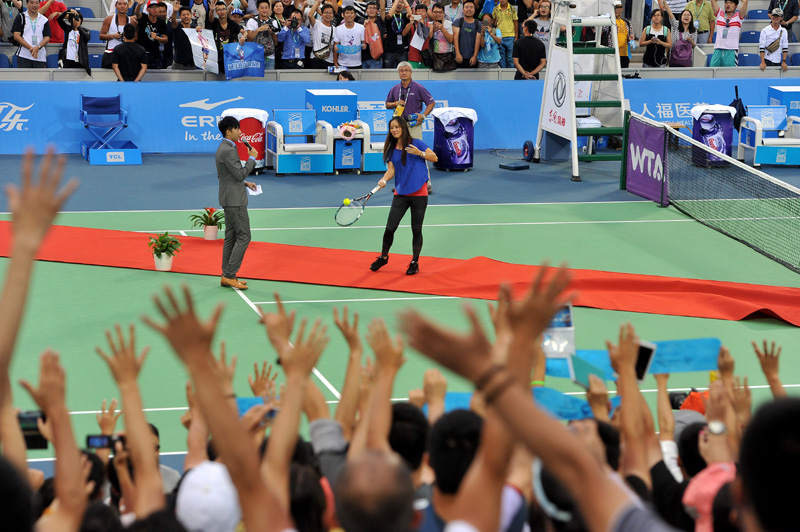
(249, 147)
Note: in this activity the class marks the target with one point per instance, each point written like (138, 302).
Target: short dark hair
(97, 474)
(326, 6)
(770, 456)
(154, 430)
(226, 124)
(421, 6)
(531, 26)
(307, 500)
(465, 2)
(437, 5)
(15, 502)
(372, 3)
(408, 436)
(129, 31)
(99, 517)
(721, 510)
(610, 438)
(263, 2)
(454, 439)
(349, 8)
(187, 8)
(688, 449)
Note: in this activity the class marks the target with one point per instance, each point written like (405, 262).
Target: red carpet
(474, 278)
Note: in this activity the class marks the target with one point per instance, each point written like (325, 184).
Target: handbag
(774, 45)
(681, 55)
(325, 52)
(444, 62)
(427, 57)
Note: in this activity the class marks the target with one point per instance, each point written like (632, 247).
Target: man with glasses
(729, 28)
(773, 44)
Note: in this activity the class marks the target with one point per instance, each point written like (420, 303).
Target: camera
(294, 23)
(102, 441)
(28, 422)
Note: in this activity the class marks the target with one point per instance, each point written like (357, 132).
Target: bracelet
(495, 392)
(484, 379)
(537, 383)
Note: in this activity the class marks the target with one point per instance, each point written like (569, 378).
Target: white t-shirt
(321, 35)
(349, 41)
(72, 45)
(32, 28)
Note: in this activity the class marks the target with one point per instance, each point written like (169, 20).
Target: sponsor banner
(646, 159)
(181, 117)
(243, 60)
(558, 116)
(204, 49)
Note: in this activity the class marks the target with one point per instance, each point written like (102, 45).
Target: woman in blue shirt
(405, 159)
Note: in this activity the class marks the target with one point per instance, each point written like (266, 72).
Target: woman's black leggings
(400, 204)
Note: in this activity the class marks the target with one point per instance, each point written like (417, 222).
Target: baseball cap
(617, 4)
(778, 12)
(237, 12)
(155, 3)
(207, 500)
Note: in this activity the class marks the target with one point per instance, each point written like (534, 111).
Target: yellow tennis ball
(346, 201)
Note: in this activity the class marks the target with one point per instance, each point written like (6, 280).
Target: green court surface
(71, 305)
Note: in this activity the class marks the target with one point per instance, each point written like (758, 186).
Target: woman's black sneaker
(379, 263)
(413, 268)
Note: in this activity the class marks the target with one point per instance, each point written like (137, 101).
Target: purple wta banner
(645, 172)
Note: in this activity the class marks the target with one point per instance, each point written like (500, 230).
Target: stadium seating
(749, 60)
(95, 60)
(758, 14)
(14, 61)
(95, 36)
(85, 11)
(52, 61)
(750, 36)
(794, 60)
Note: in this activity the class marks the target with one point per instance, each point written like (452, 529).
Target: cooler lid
(240, 113)
(446, 115)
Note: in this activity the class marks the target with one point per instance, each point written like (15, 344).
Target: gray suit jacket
(231, 175)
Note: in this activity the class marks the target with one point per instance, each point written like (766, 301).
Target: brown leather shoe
(222, 283)
(233, 283)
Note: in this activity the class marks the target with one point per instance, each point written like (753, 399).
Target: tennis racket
(349, 214)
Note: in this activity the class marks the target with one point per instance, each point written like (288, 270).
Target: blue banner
(245, 60)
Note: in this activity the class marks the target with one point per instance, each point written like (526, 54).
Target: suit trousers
(237, 238)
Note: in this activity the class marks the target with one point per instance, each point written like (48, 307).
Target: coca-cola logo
(254, 138)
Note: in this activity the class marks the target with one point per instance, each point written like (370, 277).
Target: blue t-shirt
(490, 53)
(411, 176)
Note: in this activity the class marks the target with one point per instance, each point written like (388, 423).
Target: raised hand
(49, 395)
(261, 380)
(123, 362)
(597, 396)
(107, 419)
(189, 337)
(434, 386)
(768, 357)
(623, 355)
(533, 313)
(725, 363)
(349, 329)
(301, 359)
(224, 371)
(416, 397)
(388, 353)
(278, 326)
(35, 204)
(742, 401)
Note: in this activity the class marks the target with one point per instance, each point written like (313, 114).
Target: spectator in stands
(277, 16)
(791, 10)
(166, 48)
(9, 9)
(658, 39)
(349, 41)
(684, 37)
(704, 19)
(490, 41)
(345, 75)
(32, 32)
(75, 50)
(527, 9)
(374, 35)
(129, 59)
(111, 29)
(52, 9)
(454, 10)
(729, 29)
(263, 29)
(152, 34)
(294, 37)
(505, 17)
(624, 35)
(183, 59)
(529, 54)
(544, 22)
(465, 37)
(398, 30)
(225, 30)
(200, 12)
(441, 31)
(773, 43)
(420, 38)
(322, 36)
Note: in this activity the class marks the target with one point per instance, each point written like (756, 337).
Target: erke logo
(115, 157)
(12, 120)
(646, 162)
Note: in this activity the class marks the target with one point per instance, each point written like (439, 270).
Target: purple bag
(681, 55)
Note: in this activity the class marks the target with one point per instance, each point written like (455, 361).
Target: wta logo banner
(646, 162)
(11, 117)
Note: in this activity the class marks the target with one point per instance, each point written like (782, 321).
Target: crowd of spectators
(375, 465)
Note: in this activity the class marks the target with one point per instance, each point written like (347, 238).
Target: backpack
(11, 39)
(681, 54)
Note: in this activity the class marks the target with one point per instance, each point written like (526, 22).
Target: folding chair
(749, 59)
(95, 114)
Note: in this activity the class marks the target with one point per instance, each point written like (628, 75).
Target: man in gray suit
(233, 199)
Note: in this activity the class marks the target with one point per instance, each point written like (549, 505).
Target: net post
(624, 166)
(665, 169)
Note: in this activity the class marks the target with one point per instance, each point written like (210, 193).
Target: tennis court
(516, 217)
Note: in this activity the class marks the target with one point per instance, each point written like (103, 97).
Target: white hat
(207, 500)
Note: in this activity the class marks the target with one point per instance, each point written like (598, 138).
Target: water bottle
(412, 118)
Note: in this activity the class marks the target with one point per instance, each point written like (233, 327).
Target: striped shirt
(728, 40)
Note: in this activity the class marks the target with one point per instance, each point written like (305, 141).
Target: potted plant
(211, 220)
(164, 246)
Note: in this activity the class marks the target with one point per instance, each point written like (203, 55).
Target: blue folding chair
(794, 60)
(746, 60)
(95, 36)
(708, 59)
(4, 62)
(750, 37)
(104, 117)
(758, 14)
(52, 61)
(85, 11)
(14, 61)
(95, 60)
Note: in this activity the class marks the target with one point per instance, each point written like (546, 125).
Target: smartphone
(416, 17)
(643, 360)
(28, 422)
(243, 404)
(102, 441)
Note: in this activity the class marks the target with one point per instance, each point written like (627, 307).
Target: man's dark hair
(421, 6)
(154, 430)
(769, 461)
(454, 439)
(326, 6)
(187, 8)
(263, 2)
(610, 438)
(374, 494)
(408, 436)
(99, 517)
(129, 31)
(97, 474)
(465, 2)
(721, 510)
(531, 26)
(43, 498)
(372, 3)
(438, 5)
(307, 500)
(688, 449)
(161, 521)
(226, 124)
(15, 498)
(349, 8)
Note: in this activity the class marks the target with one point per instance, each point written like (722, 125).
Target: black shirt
(394, 27)
(225, 36)
(146, 29)
(129, 57)
(530, 52)
(183, 46)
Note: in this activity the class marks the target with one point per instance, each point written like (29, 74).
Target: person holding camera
(322, 32)
(74, 52)
(294, 37)
(263, 29)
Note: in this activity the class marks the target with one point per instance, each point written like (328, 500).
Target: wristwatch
(717, 428)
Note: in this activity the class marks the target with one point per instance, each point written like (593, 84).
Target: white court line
(357, 300)
(319, 375)
(183, 233)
